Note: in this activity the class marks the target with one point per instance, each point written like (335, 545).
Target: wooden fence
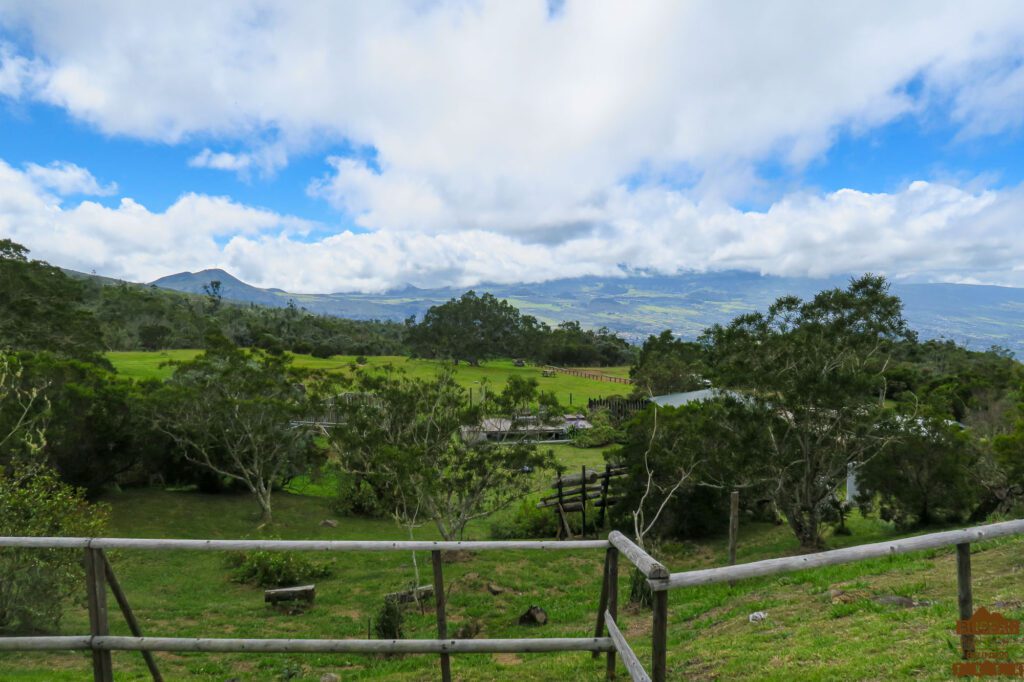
(100, 576)
(573, 492)
(596, 376)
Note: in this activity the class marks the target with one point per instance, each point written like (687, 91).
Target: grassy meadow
(493, 374)
(808, 635)
(822, 625)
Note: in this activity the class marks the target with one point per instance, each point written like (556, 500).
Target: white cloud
(494, 115)
(926, 231)
(66, 178)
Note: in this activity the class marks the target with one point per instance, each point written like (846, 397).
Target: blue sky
(328, 147)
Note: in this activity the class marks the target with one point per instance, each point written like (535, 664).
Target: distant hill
(637, 306)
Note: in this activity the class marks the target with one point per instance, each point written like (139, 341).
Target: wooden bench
(305, 593)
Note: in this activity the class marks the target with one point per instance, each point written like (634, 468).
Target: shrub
(35, 583)
(601, 433)
(389, 621)
(639, 590)
(275, 569)
(525, 521)
(356, 497)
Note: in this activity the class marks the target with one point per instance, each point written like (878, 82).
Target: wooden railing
(596, 376)
(100, 576)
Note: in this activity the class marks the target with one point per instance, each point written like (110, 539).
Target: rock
(534, 615)
(469, 630)
(758, 617)
(895, 600)
(1008, 604)
(329, 523)
(330, 677)
(495, 589)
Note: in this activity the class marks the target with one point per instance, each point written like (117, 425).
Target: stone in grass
(895, 600)
(534, 615)
(329, 523)
(330, 677)
(469, 630)
(495, 589)
(758, 617)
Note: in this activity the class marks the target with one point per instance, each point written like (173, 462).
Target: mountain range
(977, 316)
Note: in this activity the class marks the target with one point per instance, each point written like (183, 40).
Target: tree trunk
(805, 525)
(263, 498)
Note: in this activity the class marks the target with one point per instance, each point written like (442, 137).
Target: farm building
(529, 428)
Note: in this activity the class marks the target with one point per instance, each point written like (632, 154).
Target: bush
(526, 521)
(389, 621)
(275, 569)
(602, 433)
(356, 497)
(35, 583)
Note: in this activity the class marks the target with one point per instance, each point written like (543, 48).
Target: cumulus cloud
(66, 178)
(926, 231)
(501, 116)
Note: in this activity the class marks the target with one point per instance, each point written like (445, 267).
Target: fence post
(129, 615)
(612, 560)
(659, 636)
(602, 602)
(442, 619)
(96, 593)
(583, 501)
(965, 598)
(734, 524)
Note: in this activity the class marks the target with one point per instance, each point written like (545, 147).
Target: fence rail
(596, 376)
(100, 576)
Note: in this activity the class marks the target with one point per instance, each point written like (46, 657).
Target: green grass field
(493, 374)
(806, 636)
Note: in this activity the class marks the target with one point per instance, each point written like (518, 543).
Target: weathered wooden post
(734, 524)
(659, 637)
(129, 615)
(602, 602)
(612, 559)
(965, 598)
(583, 501)
(96, 593)
(442, 619)
(604, 495)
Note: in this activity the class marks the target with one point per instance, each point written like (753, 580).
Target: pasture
(809, 633)
(492, 374)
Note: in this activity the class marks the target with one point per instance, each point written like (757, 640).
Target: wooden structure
(100, 577)
(573, 492)
(620, 409)
(586, 374)
(306, 593)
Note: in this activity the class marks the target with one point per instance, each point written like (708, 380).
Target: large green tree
(471, 328)
(816, 371)
(666, 364)
(41, 308)
(403, 436)
(232, 411)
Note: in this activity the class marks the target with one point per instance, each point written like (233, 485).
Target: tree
(668, 365)
(403, 436)
(231, 411)
(815, 373)
(35, 502)
(41, 308)
(924, 474)
(471, 328)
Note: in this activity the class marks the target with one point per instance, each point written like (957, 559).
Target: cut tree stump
(534, 615)
(420, 593)
(306, 593)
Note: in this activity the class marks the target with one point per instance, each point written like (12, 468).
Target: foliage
(923, 476)
(390, 621)
(640, 592)
(526, 521)
(35, 502)
(666, 364)
(41, 308)
(275, 569)
(95, 432)
(681, 463)
(230, 411)
(357, 497)
(603, 432)
(403, 436)
(478, 328)
(815, 375)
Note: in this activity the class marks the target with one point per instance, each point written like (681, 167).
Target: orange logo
(984, 622)
(991, 660)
